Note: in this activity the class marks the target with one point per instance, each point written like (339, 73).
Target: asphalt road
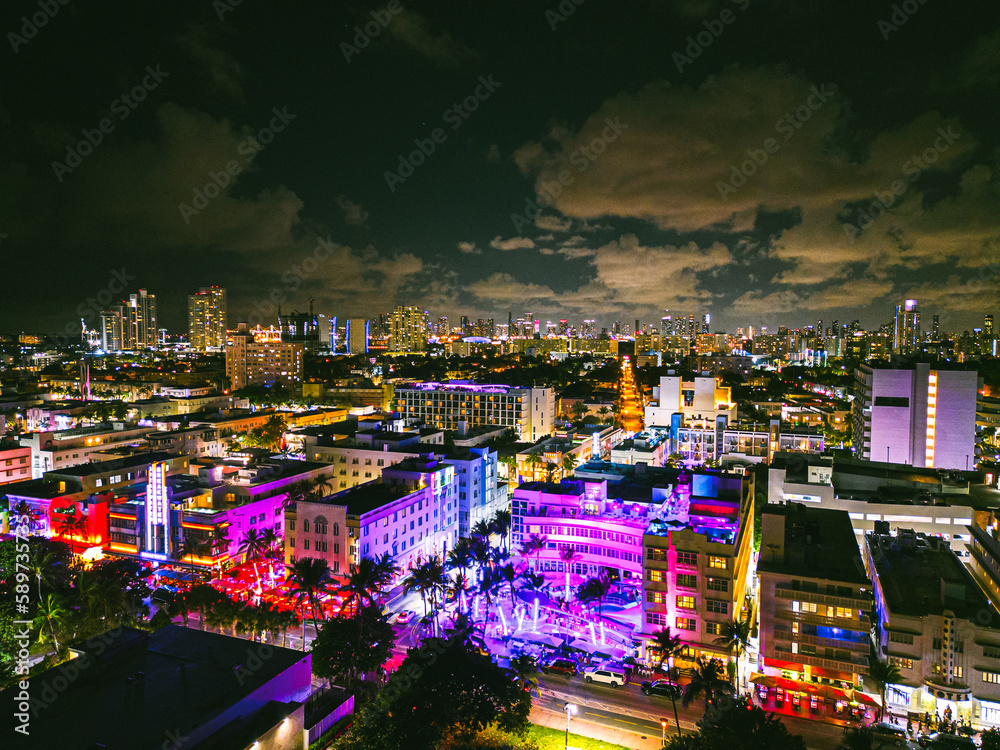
(627, 708)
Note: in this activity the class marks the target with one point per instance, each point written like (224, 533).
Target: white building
(529, 411)
(916, 416)
(701, 398)
(937, 627)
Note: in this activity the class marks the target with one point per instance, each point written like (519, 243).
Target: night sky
(735, 158)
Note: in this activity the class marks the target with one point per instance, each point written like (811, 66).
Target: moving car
(605, 675)
(947, 741)
(404, 617)
(560, 666)
(886, 731)
(661, 687)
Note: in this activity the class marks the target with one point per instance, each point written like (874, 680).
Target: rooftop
(173, 680)
(919, 577)
(102, 467)
(810, 542)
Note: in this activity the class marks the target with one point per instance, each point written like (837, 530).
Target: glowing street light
(570, 710)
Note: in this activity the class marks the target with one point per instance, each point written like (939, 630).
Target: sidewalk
(557, 720)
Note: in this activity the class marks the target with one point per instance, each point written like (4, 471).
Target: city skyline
(721, 158)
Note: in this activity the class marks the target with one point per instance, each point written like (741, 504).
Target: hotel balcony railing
(815, 640)
(860, 666)
(862, 623)
(817, 598)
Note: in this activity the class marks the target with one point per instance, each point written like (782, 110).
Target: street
(626, 708)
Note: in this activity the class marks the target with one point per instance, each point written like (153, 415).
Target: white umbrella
(584, 645)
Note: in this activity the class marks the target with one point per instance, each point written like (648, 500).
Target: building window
(717, 584)
(903, 638)
(687, 558)
(713, 628)
(305, 525)
(336, 529)
(687, 581)
(717, 562)
(655, 618)
(685, 602)
(291, 524)
(807, 606)
(845, 612)
(305, 544)
(686, 623)
(657, 576)
(956, 672)
(656, 597)
(721, 608)
(993, 677)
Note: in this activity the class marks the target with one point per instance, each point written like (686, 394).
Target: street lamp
(663, 726)
(673, 699)
(570, 710)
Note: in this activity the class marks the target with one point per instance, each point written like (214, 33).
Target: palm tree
(568, 464)
(501, 525)
(386, 571)
(67, 525)
(534, 545)
(568, 555)
(322, 485)
(883, 674)
(271, 542)
(595, 589)
(252, 545)
(362, 584)
(43, 565)
(604, 411)
(706, 679)
(481, 552)
(428, 579)
(669, 645)
(460, 558)
(735, 636)
(482, 529)
(509, 574)
(533, 461)
(524, 669)
(309, 576)
(52, 613)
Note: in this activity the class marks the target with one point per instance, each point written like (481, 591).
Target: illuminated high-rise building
(260, 357)
(407, 330)
(357, 336)
(906, 328)
(207, 318)
(113, 329)
(987, 325)
(139, 324)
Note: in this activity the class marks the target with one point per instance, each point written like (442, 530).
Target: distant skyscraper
(357, 336)
(936, 328)
(408, 330)
(987, 325)
(112, 329)
(300, 328)
(139, 328)
(906, 328)
(207, 318)
(706, 323)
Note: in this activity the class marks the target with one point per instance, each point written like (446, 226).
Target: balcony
(783, 592)
(862, 624)
(858, 666)
(860, 646)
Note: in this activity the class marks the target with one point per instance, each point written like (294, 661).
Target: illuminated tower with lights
(906, 328)
(207, 318)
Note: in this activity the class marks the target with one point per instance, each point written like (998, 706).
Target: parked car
(947, 741)
(560, 666)
(404, 617)
(886, 731)
(605, 675)
(661, 687)
(162, 595)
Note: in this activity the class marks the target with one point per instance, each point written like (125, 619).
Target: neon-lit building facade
(158, 523)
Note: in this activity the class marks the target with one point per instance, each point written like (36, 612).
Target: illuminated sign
(157, 509)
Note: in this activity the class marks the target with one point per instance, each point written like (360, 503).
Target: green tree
(347, 647)
(444, 692)
(501, 526)
(736, 723)
(883, 674)
(735, 636)
(253, 547)
(568, 555)
(534, 545)
(707, 679)
(309, 577)
(51, 615)
(991, 740)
